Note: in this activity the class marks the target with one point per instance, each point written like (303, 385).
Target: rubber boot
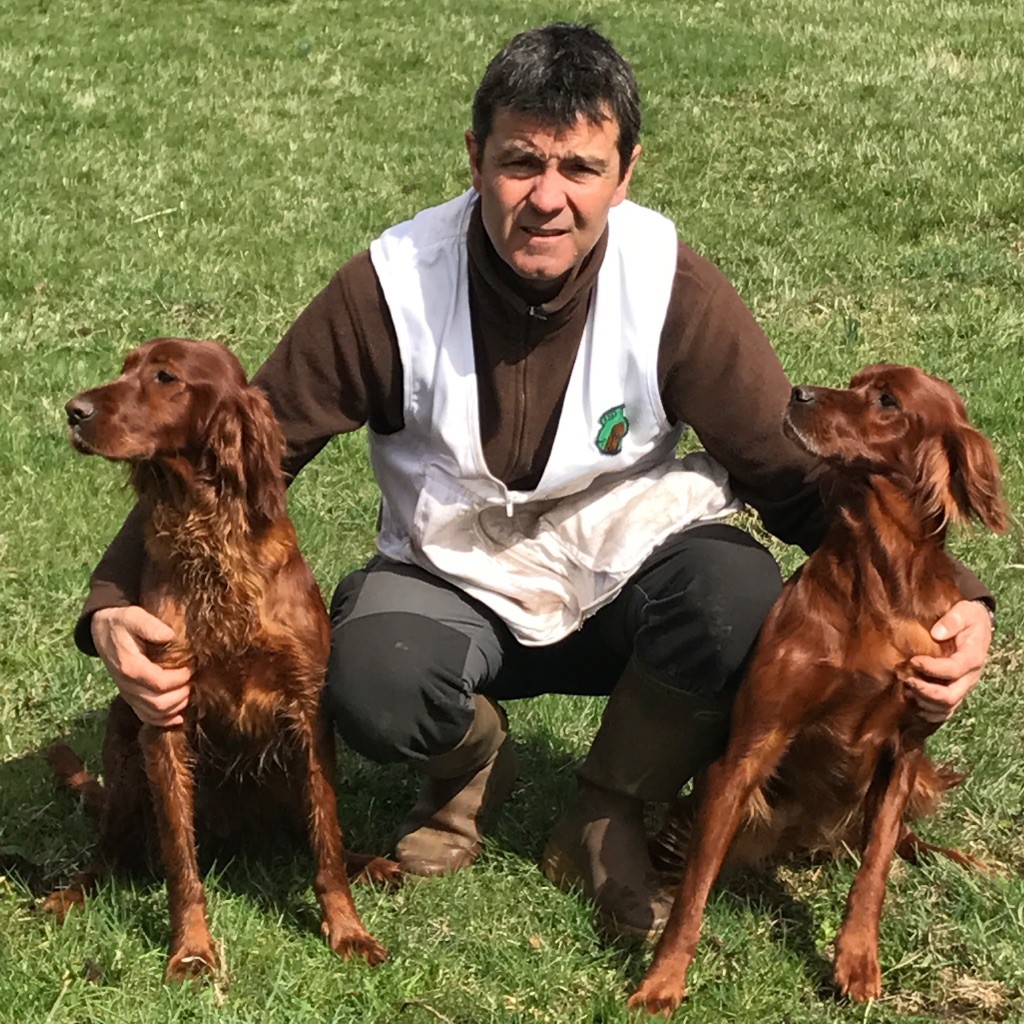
(652, 739)
(442, 833)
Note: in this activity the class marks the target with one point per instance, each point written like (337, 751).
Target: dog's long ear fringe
(244, 447)
(262, 450)
(974, 478)
(934, 484)
(959, 478)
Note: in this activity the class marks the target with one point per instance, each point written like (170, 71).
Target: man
(525, 357)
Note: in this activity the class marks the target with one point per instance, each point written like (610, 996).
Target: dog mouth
(793, 432)
(86, 447)
(79, 443)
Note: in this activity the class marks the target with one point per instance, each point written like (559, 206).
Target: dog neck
(893, 558)
(203, 544)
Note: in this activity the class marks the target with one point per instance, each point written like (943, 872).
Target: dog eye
(164, 377)
(887, 401)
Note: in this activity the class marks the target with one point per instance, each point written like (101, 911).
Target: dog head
(901, 422)
(186, 408)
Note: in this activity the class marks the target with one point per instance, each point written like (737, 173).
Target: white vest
(612, 489)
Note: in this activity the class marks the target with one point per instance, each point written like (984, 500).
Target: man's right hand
(157, 695)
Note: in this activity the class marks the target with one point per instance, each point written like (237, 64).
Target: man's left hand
(942, 683)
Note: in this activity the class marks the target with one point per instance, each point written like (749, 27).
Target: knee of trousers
(699, 628)
(395, 687)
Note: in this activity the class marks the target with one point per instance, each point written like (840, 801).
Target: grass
(201, 169)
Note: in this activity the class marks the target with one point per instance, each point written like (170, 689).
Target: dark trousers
(409, 650)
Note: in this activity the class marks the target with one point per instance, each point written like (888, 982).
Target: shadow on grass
(763, 896)
(42, 833)
(547, 785)
(792, 924)
(45, 837)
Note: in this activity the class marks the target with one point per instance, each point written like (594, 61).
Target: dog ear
(262, 450)
(974, 477)
(958, 474)
(934, 482)
(244, 448)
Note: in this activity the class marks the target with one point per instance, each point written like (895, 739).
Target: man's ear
(475, 156)
(623, 187)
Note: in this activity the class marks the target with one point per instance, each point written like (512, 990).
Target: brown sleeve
(337, 368)
(719, 374)
(114, 583)
(971, 587)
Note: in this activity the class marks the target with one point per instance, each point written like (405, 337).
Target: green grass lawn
(857, 168)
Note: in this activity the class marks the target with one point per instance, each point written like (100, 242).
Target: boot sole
(561, 871)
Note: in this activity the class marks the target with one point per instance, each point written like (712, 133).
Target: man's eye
(164, 377)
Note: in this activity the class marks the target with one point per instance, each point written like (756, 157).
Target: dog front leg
(341, 924)
(729, 783)
(857, 970)
(168, 768)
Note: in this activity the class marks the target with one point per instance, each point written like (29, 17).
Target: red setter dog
(223, 568)
(825, 747)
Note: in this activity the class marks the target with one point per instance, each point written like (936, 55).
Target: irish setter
(825, 746)
(223, 568)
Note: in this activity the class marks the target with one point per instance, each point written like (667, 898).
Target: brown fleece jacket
(338, 368)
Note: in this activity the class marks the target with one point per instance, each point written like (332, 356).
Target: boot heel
(560, 870)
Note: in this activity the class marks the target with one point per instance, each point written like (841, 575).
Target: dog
(825, 747)
(222, 567)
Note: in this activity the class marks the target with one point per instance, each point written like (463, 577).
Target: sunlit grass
(202, 169)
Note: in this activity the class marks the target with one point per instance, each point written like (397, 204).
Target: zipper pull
(509, 505)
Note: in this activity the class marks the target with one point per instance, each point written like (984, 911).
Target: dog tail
(669, 846)
(932, 782)
(911, 846)
(71, 776)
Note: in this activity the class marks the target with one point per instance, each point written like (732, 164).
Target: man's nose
(548, 192)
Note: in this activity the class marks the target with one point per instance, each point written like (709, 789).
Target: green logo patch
(614, 427)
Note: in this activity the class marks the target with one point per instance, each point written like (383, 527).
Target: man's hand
(942, 683)
(157, 695)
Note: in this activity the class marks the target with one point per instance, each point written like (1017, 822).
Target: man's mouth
(544, 232)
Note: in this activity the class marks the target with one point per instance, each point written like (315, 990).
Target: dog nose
(79, 410)
(803, 396)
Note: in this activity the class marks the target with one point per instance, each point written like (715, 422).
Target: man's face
(545, 192)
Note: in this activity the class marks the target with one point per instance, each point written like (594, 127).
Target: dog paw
(858, 973)
(374, 870)
(61, 902)
(658, 995)
(197, 960)
(64, 762)
(361, 944)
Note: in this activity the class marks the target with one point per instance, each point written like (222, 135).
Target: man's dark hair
(557, 74)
